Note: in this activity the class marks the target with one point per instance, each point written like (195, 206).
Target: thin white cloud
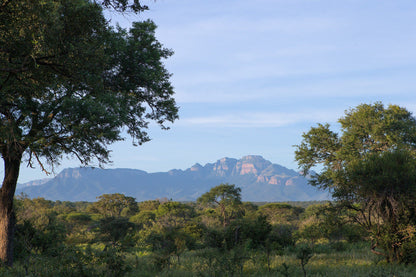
(276, 119)
(261, 119)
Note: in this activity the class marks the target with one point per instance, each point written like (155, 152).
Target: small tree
(225, 197)
(304, 253)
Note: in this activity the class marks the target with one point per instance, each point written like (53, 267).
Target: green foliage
(333, 223)
(62, 207)
(365, 129)
(114, 261)
(149, 205)
(369, 168)
(281, 236)
(78, 218)
(223, 263)
(173, 214)
(44, 241)
(225, 197)
(170, 231)
(52, 242)
(115, 230)
(214, 238)
(70, 84)
(124, 5)
(115, 205)
(304, 253)
(386, 187)
(79, 229)
(36, 210)
(38, 229)
(222, 194)
(143, 219)
(251, 233)
(166, 243)
(280, 213)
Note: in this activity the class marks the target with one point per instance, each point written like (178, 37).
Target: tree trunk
(7, 218)
(224, 215)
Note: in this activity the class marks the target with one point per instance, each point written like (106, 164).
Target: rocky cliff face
(251, 165)
(224, 167)
(264, 171)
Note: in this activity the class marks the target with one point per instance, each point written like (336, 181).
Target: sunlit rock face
(251, 165)
(264, 171)
(224, 167)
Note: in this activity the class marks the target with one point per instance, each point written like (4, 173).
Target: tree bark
(7, 217)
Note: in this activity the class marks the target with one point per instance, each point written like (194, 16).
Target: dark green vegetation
(71, 84)
(370, 170)
(217, 236)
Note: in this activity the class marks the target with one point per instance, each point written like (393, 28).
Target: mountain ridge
(260, 180)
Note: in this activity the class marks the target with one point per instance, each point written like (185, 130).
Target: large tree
(370, 167)
(70, 84)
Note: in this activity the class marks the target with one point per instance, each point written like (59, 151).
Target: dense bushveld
(116, 236)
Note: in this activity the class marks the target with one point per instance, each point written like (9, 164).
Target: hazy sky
(251, 76)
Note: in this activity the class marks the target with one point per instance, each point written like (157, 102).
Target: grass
(353, 260)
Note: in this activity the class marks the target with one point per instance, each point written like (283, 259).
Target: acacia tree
(71, 84)
(222, 196)
(369, 167)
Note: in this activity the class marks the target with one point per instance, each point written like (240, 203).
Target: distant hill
(259, 179)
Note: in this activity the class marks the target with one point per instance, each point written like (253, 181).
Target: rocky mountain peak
(252, 158)
(251, 164)
(224, 167)
(196, 167)
(70, 173)
(255, 165)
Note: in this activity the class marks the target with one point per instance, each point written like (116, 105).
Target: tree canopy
(69, 83)
(72, 84)
(114, 205)
(369, 167)
(222, 196)
(368, 128)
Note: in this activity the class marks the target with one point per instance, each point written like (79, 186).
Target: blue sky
(251, 76)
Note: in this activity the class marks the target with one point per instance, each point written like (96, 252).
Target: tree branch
(41, 164)
(14, 70)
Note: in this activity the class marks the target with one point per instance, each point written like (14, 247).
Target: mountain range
(259, 179)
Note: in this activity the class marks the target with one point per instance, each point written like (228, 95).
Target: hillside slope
(259, 179)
